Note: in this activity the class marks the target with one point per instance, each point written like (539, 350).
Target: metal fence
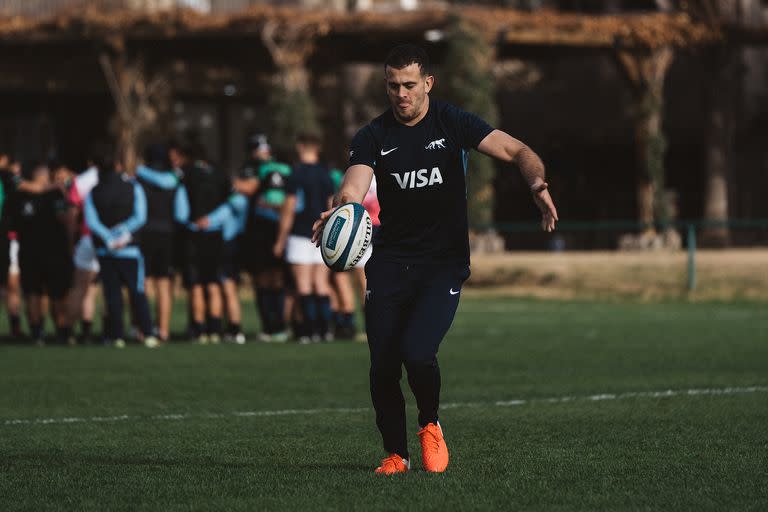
(742, 233)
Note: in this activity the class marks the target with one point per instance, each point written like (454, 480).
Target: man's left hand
(548, 211)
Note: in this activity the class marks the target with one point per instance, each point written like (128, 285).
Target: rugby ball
(346, 236)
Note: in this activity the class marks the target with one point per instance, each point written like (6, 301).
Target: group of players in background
(64, 236)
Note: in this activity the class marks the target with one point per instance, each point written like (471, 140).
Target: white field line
(451, 405)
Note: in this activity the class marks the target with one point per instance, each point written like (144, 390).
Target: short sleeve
(330, 188)
(362, 150)
(292, 182)
(471, 129)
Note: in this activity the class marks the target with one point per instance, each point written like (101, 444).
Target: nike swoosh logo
(383, 153)
(455, 292)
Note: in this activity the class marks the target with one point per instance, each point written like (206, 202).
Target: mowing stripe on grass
(451, 405)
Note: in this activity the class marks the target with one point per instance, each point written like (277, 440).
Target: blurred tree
(467, 80)
(292, 110)
(646, 71)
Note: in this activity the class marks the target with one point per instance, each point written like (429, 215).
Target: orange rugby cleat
(434, 452)
(393, 464)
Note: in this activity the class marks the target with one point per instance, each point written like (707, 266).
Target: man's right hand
(317, 227)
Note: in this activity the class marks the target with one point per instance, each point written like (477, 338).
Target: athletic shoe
(203, 339)
(361, 337)
(215, 339)
(304, 340)
(151, 342)
(239, 338)
(279, 337)
(119, 343)
(264, 337)
(392, 465)
(434, 452)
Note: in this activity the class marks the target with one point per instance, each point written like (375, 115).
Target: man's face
(407, 91)
(176, 158)
(41, 175)
(4, 161)
(62, 175)
(261, 153)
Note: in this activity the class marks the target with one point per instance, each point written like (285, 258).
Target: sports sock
(86, 328)
(323, 304)
(233, 328)
(197, 329)
(261, 306)
(36, 331)
(15, 322)
(278, 309)
(214, 325)
(348, 320)
(309, 312)
(63, 334)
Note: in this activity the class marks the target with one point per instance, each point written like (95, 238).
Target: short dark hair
(101, 154)
(156, 157)
(309, 139)
(406, 54)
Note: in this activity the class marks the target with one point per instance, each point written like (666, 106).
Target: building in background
(571, 77)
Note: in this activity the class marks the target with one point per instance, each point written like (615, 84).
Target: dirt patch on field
(720, 275)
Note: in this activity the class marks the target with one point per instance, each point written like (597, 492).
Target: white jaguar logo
(436, 144)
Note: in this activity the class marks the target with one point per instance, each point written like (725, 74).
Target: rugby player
(115, 211)
(9, 273)
(44, 224)
(263, 181)
(163, 189)
(417, 151)
(309, 192)
(206, 190)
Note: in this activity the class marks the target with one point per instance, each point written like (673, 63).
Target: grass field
(288, 427)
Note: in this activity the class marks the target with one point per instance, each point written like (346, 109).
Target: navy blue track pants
(408, 310)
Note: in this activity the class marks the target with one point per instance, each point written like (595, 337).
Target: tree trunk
(719, 135)
(646, 73)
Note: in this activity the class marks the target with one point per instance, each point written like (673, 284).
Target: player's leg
(60, 277)
(234, 311)
(302, 276)
(385, 311)
(162, 270)
(131, 272)
(345, 307)
(431, 315)
(82, 296)
(113, 298)
(211, 245)
(89, 309)
(164, 305)
(13, 288)
(193, 262)
(321, 287)
(229, 281)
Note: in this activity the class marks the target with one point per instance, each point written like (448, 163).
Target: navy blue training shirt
(312, 185)
(420, 174)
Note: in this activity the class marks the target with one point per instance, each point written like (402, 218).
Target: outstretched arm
(504, 147)
(357, 181)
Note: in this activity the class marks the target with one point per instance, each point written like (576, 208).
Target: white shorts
(365, 258)
(13, 254)
(300, 250)
(85, 255)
